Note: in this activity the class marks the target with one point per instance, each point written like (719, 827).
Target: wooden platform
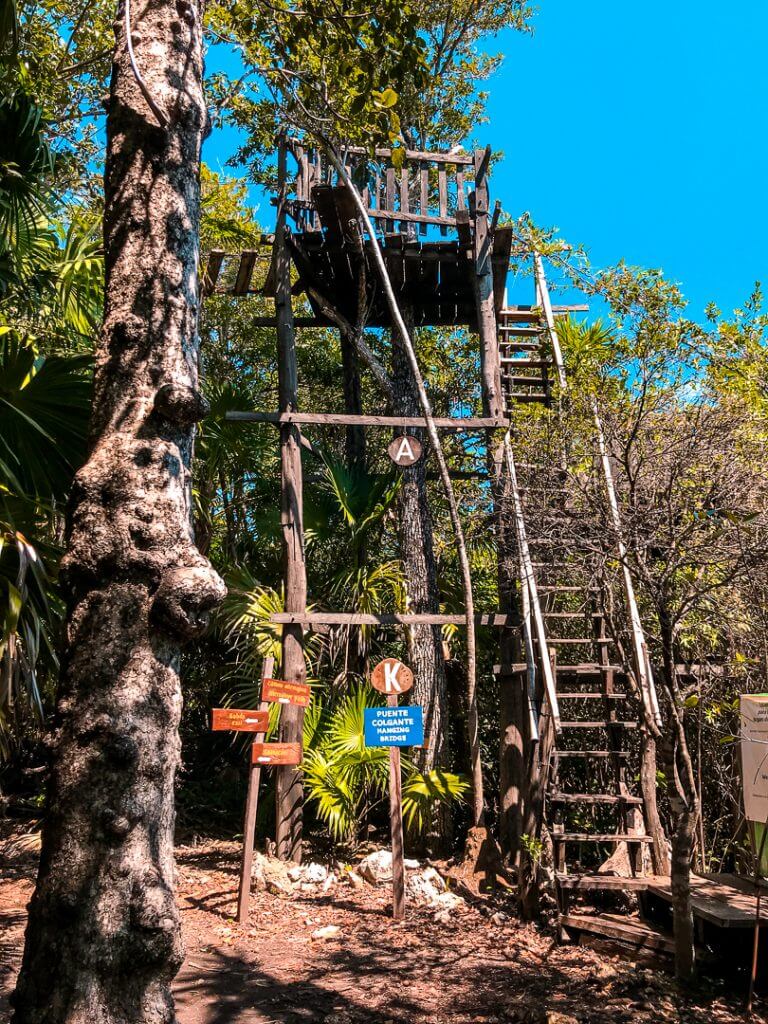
(434, 279)
(727, 901)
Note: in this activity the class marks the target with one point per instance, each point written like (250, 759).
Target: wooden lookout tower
(447, 256)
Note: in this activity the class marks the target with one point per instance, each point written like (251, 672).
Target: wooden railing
(533, 621)
(428, 189)
(642, 664)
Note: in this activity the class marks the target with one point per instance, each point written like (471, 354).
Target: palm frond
(422, 791)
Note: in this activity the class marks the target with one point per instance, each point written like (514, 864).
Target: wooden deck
(727, 901)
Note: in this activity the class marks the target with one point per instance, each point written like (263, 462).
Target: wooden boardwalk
(727, 901)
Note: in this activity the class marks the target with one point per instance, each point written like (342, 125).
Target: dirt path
(467, 970)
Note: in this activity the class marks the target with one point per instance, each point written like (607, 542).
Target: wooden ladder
(591, 806)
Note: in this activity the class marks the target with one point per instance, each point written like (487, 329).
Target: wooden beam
(290, 789)
(341, 419)
(499, 619)
(455, 159)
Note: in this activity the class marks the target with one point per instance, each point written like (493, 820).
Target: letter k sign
(391, 684)
(392, 677)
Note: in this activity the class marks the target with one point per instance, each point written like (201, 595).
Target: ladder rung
(589, 668)
(599, 837)
(603, 724)
(521, 332)
(595, 798)
(522, 396)
(568, 640)
(620, 754)
(534, 382)
(589, 695)
(571, 615)
(528, 364)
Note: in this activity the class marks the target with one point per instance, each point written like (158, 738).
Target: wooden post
(758, 893)
(251, 807)
(396, 826)
(290, 789)
(482, 279)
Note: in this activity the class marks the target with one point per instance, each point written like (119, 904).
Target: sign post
(273, 691)
(251, 806)
(394, 727)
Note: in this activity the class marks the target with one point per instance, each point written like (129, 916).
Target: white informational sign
(754, 755)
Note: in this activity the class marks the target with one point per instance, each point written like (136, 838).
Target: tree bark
(514, 750)
(418, 554)
(289, 801)
(103, 940)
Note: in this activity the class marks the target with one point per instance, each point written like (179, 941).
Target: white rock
(329, 932)
(448, 901)
(315, 873)
(376, 867)
(429, 887)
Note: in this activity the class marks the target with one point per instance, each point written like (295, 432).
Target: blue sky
(640, 131)
(652, 145)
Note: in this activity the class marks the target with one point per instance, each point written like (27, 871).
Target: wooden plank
(389, 201)
(442, 191)
(718, 902)
(596, 882)
(470, 423)
(212, 270)
(603, 724)
(458, 159)
(415, 218)
(405, 201)
(461, 199)
(595, 798)
(599, 837)
(423, 196)
(245, 272)
(593, 753)
(636, 933)
(500, 619)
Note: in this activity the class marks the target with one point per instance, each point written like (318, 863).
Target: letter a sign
(405, 450)
(391, 677)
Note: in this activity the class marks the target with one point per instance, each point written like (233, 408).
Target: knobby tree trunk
(418, 554)
(103, 940)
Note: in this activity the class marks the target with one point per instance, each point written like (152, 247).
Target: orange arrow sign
(276, 753)
(239, 720)
(280, 691)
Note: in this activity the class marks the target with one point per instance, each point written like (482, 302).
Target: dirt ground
(466, 970)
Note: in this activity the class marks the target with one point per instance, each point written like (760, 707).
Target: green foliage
(25, 160)
(533, 847)
(422, 791)
(346, 780)
(44, 404)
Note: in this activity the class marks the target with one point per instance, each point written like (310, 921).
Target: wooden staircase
(593, 807)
